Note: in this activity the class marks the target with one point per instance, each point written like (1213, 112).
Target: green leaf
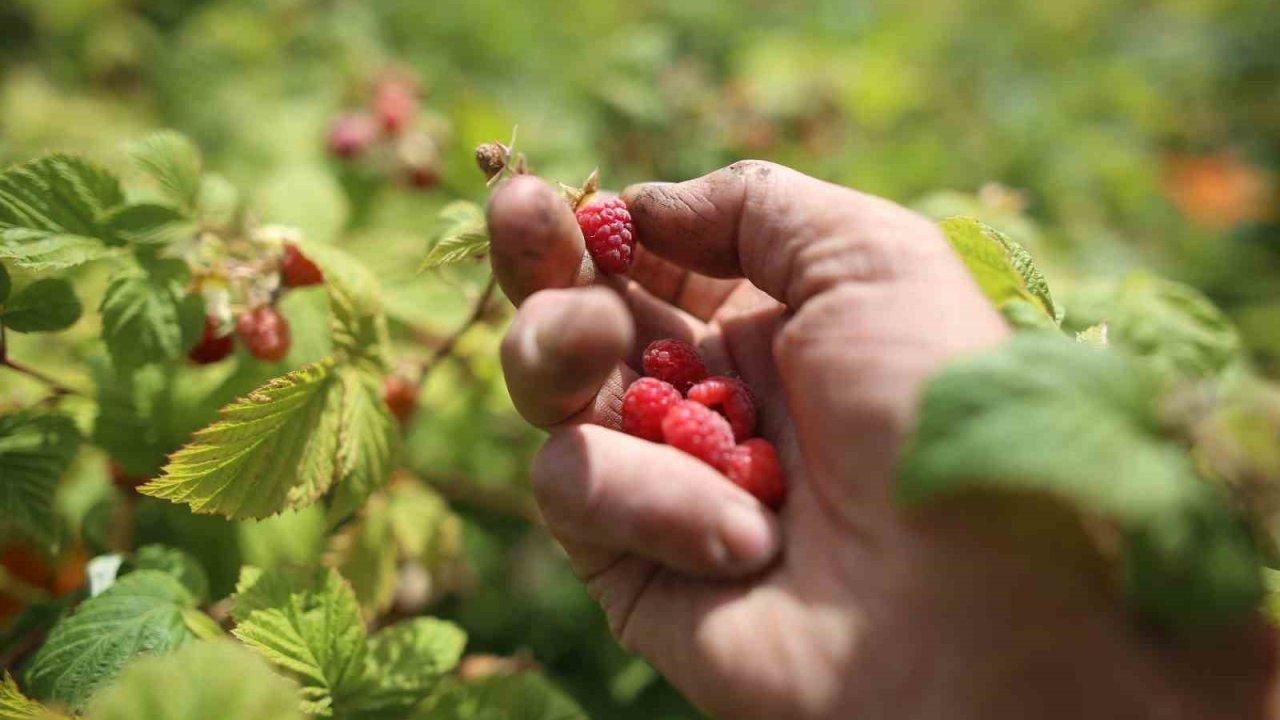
(5, 284)
(142, 613)
(59, 195)
(1002, 268)
(40, 250)
(150, 224)
(173, 161)
(148, 317)
(16, 706)
(1171, 326)
(178, 564)
(307, 623)
(367, 441)
(405, 663)
(523, 696)
(217, 680)
(36, 447)
(276, 448)
(46, 305)
(139, 420)
(1094, 336)
(365, 552)
(1042, 413)
(463, 235)
(355, 301)
(424, 528)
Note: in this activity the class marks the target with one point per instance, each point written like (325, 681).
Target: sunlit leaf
(463, 235)
(1002, 268)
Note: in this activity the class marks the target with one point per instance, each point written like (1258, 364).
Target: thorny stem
(445, 349)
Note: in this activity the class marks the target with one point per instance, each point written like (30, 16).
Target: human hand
(834, 306)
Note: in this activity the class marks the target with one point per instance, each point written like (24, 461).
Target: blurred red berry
(122, 479)
(753, 466)
(265, 332)
(645, 405)
(296, 270)
(423, 177)
(352, 134)
(401, 396)
(674, 361)
(212, 346)
(395, 102)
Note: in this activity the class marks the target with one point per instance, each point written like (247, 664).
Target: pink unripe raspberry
(645, 405)
(395, 102)
(674, 361)
(352, 134)
(729, 397)
(609, 233)
(699, 431)
(753, 466)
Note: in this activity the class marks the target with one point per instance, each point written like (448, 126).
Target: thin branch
(446, 348)
(57, 387)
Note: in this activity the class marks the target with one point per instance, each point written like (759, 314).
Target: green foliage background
(1083, 107)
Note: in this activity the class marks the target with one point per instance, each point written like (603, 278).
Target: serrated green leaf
(355, 301)
(308, 623)
(276, 448)
(463, 235)
(16, 706)
(46, 305)
(174, 162)
(36, 447)
(5, 284)
(40, 250)
(1171, 326)
(1002, 268)
(150, 224)
(142, 613)
(59, 195)
(148, 317)
(404, 665)
(1042, 413)
(523, 696)
(216, 680)
(180, 565)
(367, 441)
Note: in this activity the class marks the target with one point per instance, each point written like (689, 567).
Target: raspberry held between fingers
(645, 405)
(675, 362)
(699, 431)
(753, 466)
(609, 234)
(730, 397)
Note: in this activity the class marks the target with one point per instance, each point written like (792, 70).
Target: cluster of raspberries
(711, 418)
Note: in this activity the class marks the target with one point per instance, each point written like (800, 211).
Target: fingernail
(749, 536)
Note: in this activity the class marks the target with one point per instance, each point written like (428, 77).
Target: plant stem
(57, 387)
(446, 348)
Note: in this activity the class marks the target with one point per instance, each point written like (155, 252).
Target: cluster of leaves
(1102, 423)
(317, 444)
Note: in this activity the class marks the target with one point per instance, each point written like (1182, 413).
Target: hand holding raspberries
(718, 411)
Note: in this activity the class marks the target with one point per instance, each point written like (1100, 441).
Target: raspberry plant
(244, 371)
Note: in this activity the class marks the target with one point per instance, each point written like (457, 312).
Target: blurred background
(1105, 135)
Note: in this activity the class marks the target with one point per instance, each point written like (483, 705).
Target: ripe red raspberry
(395, 102)
(731, 398)
(699, 431)
(352, 134)
(265, 333)
(610, 235)
(401, 396)
(753, 466)
(212, 346)
(298, 271)
(674, 361)
(645, 405)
